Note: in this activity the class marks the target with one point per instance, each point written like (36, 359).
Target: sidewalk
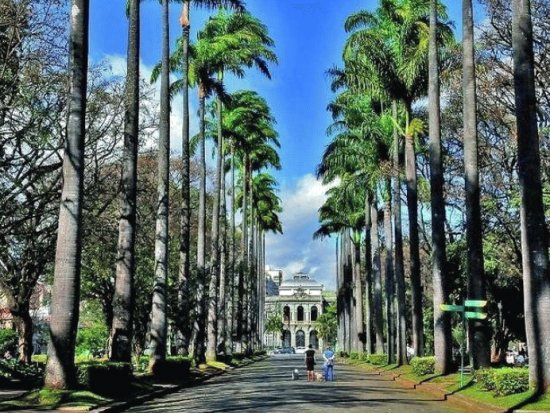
(195, 377)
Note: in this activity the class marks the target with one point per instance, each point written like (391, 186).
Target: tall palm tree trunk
(223, 338)
(215, 248)
(368, 277)
(201, 297)
(390, 325)
(442, 325)
(400, 300)
(534, 235)
(358, 296)
(243, 270)
(377, 280)
(123, 299)
(60, 372)
(184, 320)
(479, 338)
(159, 323)
(234, 271)
(414, 247)
(339, 295)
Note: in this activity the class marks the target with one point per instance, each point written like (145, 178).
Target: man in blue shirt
(328, 366)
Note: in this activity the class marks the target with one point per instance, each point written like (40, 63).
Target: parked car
(300, 350)
(288, 350)
(277, 350)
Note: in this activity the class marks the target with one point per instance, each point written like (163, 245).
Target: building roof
(301, 280)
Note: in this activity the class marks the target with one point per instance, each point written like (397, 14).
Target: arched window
(300, 313)
(313, 340)
(286, 338)
(314, 313)
(300, 338)
(286, 314)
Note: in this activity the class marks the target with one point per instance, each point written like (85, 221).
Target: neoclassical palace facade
(299, 301)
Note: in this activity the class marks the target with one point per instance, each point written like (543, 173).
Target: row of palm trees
(392, 59)
(224, 303)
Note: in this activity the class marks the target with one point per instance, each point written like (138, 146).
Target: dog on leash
(319, 377)
(295, 374)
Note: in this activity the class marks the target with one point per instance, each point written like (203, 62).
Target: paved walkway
(267, 387)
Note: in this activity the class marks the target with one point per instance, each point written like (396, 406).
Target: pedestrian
(310, 363)
(328, 366)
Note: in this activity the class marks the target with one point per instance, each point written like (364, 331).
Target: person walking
(310, 363)
(328, 366)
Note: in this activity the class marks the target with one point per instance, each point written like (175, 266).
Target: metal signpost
(466, 315)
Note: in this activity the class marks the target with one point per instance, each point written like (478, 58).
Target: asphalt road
(267, 386)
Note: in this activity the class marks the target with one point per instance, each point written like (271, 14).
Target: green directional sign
(475, 315)
(451, 307)
(475, 303)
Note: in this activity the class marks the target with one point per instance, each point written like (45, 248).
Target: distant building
(300, 301)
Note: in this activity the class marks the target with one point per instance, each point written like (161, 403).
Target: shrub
(503, 381)
(173, 368)
(107, 378)
(91, 341)
(343, 354)
(511, 381)
(365, 357)
(485, 378)
(378, 359)
(260, 353)
(422, 366)
(8, 341)
(353, 355)
(29, 374)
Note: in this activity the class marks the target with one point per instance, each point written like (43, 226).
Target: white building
(300, 302)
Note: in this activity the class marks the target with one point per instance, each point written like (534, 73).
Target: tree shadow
(531, 399)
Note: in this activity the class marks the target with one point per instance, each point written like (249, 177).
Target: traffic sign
(475, 303)
(475, 315)
(451, 307)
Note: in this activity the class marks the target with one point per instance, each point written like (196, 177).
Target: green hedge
(422, 366)
(106, 378)
(8, 341)
(503, 381)
(173, 368)
(378, 359)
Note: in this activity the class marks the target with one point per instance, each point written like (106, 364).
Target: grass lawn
(451, 383)
(51, 399)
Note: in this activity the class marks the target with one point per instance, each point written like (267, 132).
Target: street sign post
(466, 315)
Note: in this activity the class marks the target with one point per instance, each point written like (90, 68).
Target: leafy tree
(326, 325)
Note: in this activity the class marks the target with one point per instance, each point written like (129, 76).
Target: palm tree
(158, 313)
(442, 326)
(534, 232)
(60, 371)
(121, 331)
(391, 47)
(249, 125)
(479, 337)
(183, 322)
(243, 41)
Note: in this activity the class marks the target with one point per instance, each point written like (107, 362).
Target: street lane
(267, 386)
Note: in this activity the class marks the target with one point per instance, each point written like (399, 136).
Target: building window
(300, 313)
(313, 313)
(300, 338)
(313, 340)
(286, 314)
(286, 338)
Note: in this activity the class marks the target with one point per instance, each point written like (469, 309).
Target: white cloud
(296, 250)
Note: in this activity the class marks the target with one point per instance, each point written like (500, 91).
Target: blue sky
(309, 36)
